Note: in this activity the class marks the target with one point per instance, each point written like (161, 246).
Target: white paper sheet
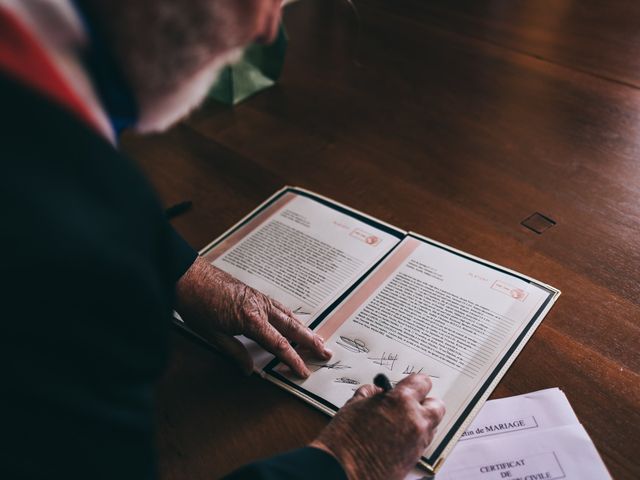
(521, 414)
(557, 453)
(424, 310)
(535, 436)
(303, 254)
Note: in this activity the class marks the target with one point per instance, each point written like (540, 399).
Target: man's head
(170, 51)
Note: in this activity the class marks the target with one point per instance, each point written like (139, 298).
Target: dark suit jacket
(88, 271)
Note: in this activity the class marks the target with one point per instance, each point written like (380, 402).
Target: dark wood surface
(457, 120)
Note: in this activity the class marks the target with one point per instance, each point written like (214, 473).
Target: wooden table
(457, 120)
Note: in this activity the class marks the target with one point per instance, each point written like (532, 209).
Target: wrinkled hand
(380, 436)
(213, 302)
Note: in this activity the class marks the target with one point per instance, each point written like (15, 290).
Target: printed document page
(564, 452)
(522, 415)
(431, 310)
(302, 253)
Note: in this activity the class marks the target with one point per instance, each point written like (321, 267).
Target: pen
(382, 381)
(177, 209)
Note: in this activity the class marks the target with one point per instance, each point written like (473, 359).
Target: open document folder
(535, 436)
(385, 300)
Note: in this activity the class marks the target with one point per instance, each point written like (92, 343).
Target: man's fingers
(271, 340)
(365, 391)
(417, 385)
(434, 409)
(292, 329)
(281, 307)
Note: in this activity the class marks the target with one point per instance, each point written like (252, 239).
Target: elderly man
(92, 270)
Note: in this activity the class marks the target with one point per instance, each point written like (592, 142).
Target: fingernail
(305, 372)
(327, 352)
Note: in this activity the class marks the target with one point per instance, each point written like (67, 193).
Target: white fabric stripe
(58, 29)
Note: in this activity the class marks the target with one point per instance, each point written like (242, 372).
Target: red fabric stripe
(23, 58)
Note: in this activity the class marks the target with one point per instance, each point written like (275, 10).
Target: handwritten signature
(329, 366)
(300, 311)
(387, 360)
(347, 380)
(409, 369)
(353, 344)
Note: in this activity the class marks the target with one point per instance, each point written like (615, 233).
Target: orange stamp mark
(365, 237)
(515, 293)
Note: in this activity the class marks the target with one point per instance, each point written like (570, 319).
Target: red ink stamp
(515, 293)
(366, 237)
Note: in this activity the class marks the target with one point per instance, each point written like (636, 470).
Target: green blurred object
(259, 68)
